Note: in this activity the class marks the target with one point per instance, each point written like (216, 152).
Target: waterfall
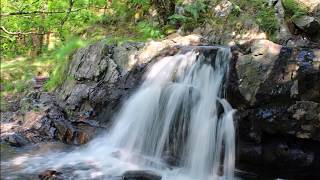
(184, 89)
(178, 112)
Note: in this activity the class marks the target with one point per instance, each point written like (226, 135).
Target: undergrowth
(193, 15)
(264, 14)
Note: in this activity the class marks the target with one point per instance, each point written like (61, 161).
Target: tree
(27, 25)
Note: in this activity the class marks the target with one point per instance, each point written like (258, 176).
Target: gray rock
(141, 175)
(124, 53)
(284, 33)
(310, 25)
(89, 62)
(253, 69)
(46, 98)
(306, 117)
(16, 139)
(223, 9)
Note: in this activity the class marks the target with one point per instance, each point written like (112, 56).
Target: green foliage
(144, 3)
(236, 10)
(267, 21)
(61, 59)
(294, 9)
(193, 14)
(264, 14)
(149, 31)
(28, 19)
(17, 73)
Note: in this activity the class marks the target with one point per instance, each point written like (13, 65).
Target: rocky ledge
(276, 90)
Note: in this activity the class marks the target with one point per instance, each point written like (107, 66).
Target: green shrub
(149, 30)
(193, 15)
(264, 14)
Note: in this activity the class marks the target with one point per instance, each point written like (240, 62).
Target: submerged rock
(141, 175)
(50, 175)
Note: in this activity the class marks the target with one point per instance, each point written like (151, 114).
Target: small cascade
(177, 113)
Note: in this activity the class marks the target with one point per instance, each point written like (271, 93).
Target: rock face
(277, 93)
(100, 75)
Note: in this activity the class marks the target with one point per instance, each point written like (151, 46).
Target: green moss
(293, 9)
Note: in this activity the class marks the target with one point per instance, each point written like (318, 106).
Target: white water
(176, 112)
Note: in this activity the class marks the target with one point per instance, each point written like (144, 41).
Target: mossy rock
(297, 8)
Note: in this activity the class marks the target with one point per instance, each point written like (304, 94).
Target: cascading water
(177, 112)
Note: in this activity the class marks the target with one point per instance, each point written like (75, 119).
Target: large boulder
(253, 69)
(276, 90)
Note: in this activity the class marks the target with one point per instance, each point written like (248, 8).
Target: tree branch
(38, 12)
(18, 33)
(71, 2)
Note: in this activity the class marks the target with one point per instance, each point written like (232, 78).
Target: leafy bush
(264, 14)
(191, 16)
(149, 30)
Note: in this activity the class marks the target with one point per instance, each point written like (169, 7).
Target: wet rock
(64, 130)
(277, 74)
(281, 155)
(309, 25)
(249, 152)
(84, 133)
(15, 139)
(50, 175)
(141, 175)
(306, 114)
